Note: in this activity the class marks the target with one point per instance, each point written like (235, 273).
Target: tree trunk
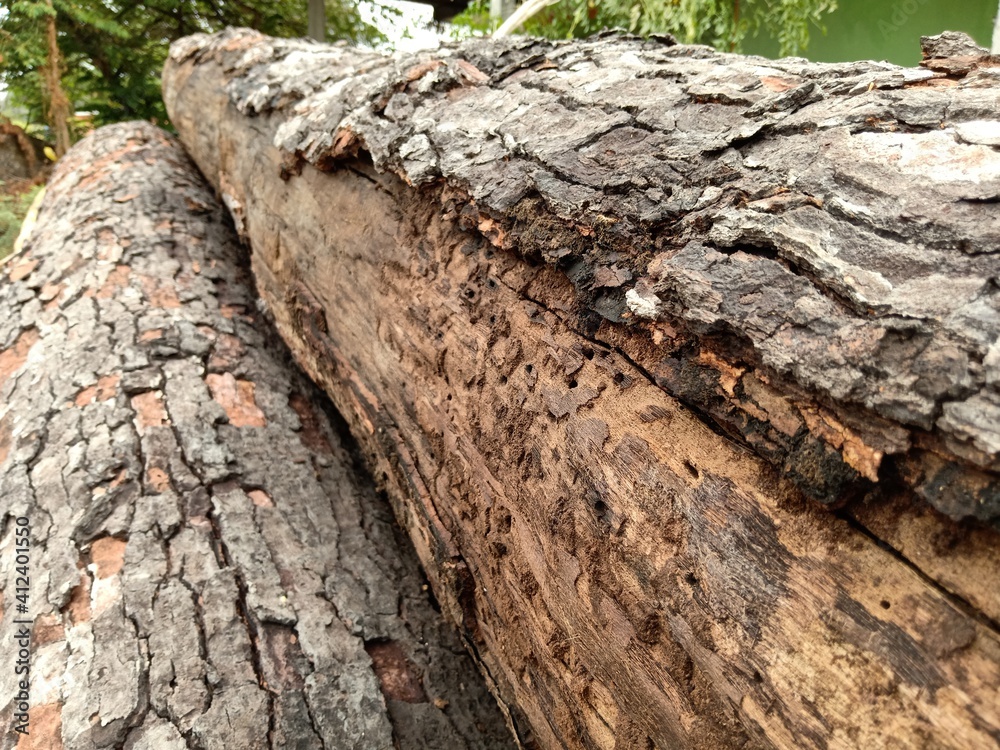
(207, 568)
(317, 20)
(58, 104)
(995, 47)
(501, 10)
(613, 320)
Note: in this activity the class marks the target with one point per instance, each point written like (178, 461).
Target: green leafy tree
(113, 50)
(723, 24)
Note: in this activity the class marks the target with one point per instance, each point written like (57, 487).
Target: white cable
(518, 17)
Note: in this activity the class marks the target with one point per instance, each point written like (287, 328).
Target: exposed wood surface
(207, 567)
(608, 318)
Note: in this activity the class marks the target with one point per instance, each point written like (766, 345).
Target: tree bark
(58, 104)
(613, 320)
(207, 567)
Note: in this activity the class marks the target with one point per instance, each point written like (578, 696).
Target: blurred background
(67, 66)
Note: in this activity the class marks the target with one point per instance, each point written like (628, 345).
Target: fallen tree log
(613, 320)
(207, 569)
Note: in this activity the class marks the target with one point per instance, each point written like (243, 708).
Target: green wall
(889, 29)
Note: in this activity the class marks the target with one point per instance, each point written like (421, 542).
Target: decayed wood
(207, 569)
(604, 315)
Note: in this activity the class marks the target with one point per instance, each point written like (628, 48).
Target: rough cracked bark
(824, 230)
(604, 314)
(208, 569)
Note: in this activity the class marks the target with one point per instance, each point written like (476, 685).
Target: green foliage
(13, 209)
(474, 20)
(113, 50)
(723, 24)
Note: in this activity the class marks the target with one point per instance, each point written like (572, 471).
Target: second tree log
(612, 320)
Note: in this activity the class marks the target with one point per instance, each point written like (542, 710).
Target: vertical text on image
(22, 623)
